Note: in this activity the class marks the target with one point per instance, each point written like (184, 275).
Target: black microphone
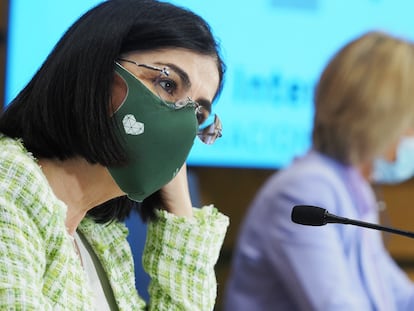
(317, 216)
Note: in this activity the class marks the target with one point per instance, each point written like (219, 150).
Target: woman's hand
(176, 195)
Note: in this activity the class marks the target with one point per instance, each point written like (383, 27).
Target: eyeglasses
(171, 88)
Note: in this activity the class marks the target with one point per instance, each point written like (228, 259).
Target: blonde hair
(365, 98)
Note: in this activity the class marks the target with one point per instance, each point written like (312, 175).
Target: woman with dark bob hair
(106, 124)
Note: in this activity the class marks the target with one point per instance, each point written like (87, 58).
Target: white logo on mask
(132, 126)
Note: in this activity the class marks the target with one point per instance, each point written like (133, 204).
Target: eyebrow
(181, 73)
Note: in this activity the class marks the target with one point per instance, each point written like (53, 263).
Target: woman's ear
(119, 92)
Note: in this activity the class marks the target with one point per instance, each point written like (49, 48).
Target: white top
(101, 302)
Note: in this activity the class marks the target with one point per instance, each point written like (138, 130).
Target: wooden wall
(232, 190)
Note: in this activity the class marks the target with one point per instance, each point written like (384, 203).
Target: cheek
(119, 91)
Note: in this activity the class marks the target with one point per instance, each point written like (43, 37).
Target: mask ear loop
(119, 92)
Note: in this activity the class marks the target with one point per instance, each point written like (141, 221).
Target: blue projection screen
(274, 51)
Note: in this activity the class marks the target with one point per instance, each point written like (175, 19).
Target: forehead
(202, 70)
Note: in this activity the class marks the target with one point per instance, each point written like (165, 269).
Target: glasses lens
(209, 134)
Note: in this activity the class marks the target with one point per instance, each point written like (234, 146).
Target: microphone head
(309, 215)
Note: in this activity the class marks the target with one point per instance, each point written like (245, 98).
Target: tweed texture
(39, 269)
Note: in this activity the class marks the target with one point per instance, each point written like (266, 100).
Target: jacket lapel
(112, 249)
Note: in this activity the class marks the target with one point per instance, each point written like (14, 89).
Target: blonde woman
(363, 128)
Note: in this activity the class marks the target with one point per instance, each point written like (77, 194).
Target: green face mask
(156, 138)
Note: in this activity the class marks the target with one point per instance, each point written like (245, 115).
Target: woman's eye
(168, 86)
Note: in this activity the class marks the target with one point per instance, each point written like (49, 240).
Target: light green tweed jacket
(39, 269)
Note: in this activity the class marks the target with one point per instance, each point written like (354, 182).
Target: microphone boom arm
(317, 216)
(330, 218)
